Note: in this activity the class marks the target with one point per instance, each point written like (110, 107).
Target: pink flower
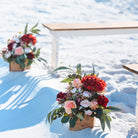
(77, 83)
(19, 51)
(85, 103)
(94, 104)
(68, 105)
(88, 112)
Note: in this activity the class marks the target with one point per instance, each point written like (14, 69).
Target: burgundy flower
(102, 100)
(28, 38)
(61, 96)
(10, 46)
(30, 55)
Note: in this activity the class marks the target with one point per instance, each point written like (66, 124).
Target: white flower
(16, 39)
(85, 103)
(87, 94)
(7, 54)
(14, 45)
(88, 112)
(27, 50)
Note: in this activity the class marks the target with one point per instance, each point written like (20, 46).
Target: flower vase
(13, 66)
(87, 122)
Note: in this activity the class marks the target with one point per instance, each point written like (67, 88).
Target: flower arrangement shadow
(82, 100)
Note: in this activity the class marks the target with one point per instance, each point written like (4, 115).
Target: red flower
(61, 96)
(92, 83)
(10, 46)
(102, 100)
(28, 38)
(30, 55)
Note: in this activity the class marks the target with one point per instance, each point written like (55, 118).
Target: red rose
(30, 55)
(92, 83)
(28, 38)
(102, 100)
(10, 46)
(61, 96)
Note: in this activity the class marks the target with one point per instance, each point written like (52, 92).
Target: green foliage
(26, 28)
(67, 80)
(62, 68)
(112, 108)
(72, 121)
(37, 53)
(65, 119)
(34, 30)
(79, 69)
(30, 61)
(54, 114)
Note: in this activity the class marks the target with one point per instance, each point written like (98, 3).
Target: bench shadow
(23, 103)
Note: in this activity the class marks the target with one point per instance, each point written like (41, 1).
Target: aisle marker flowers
(83, 96)
(22, 48)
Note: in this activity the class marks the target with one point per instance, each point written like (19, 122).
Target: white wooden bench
(86, 29)
(134, 69)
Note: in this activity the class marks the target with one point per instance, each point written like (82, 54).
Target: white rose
(87, 94)
(85, 103)
(88, 112)
(14, 45)
(27, 50)
(16, 39)
(7, 54)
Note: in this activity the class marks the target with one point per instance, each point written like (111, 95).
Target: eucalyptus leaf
(62, 68)
(25, 30)
(102, 120)
(79, 69)
(114, 108)
(67, 80)
(108, 119)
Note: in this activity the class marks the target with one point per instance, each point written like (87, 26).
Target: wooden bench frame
(86, 29)
(134, 69)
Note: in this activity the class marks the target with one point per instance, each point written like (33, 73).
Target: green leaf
(67, 80)
(108, 119)
(37, 53)
(102, 122)
(33, 30)
(74, 110)
(65, 119)
(114, 108)
(34, 49)
(72, 122)
(106, 111)
(42, 59)
(79, 69)
(30, 61)
(26, 27)
(62, 68)
(79, 115)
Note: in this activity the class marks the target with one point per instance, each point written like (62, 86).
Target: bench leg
(137, 110)
(54, 52)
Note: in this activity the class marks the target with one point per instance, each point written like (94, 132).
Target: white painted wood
(136, 112)
(54, 51)
(95, 32)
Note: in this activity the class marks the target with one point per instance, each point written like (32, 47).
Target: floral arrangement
(22, 48)
(83, 96)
